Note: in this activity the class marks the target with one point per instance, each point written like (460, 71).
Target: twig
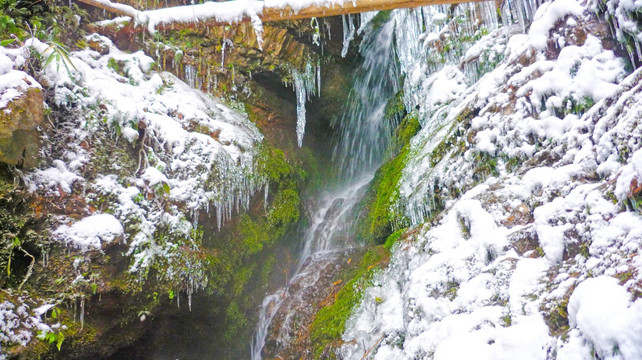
(373, 346)
(30, 270)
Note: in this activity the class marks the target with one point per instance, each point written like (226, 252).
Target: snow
(92, 232)
(153, 176)
(187, 152)
(55, 179)
(486, 277)
(20, 318)
(13, 83)
(220, 12)
(604, 315)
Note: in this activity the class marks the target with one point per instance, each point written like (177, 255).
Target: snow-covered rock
(535, 254)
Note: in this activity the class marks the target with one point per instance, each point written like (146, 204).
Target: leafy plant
(59, 52)
(52, 337)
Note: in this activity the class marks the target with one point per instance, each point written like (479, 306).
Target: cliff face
(130, 198)
(152, 190)
(520, 195)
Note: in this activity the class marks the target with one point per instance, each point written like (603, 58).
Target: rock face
(19, 123)
(124, 131)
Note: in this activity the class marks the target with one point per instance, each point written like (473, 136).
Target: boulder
(20, 120)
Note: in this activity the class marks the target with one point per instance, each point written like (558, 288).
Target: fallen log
(228, 12)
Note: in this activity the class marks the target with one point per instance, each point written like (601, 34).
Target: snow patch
(92, 232)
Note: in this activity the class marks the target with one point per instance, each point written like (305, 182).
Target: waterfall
(364, 135)
(363, 140)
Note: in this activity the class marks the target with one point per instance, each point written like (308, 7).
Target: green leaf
(59, 340)
(6, 42)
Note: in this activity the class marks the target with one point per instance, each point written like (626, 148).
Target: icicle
(365, 19)
(233, 78)
(190, 76)
(195, 216)
(318, 80)
(305, 84)
(223, 53)
(258, 30)
(189, 297)
(265, 200)
(348, 34)
(82, 312)
(327, 25)
(299, 89)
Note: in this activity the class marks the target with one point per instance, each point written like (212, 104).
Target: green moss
(451, 290)
(307, 170)
(266, 269)
(558, 318)
(395, 109)
(252, 234)
(540, 251)
(381, 218)
(329, 323)
(392, 239)
(240, 279)
(486, 165)
(285, 210)
(408, 128)
(507, 320)
(20, 229)
(235, 321)
(381, 18)
(258, 232)
(274, 166)
(571, 105)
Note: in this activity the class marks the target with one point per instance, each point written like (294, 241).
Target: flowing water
(361, 147)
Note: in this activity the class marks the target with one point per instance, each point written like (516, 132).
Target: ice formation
(519, 192)
(193, 150)
(306, 83)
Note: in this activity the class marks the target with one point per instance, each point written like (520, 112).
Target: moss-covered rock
(19, 135)
(329, 323)
(379, 216)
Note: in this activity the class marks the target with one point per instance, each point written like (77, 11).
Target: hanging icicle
(306, 84)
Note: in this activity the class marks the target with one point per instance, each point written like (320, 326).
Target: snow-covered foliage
(13, 83)
(20, 320)
(624, 18)
(524, 197)
(190, 151)
(533, 96)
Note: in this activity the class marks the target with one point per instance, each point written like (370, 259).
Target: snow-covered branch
(221, 13)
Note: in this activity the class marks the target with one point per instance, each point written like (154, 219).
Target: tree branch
(227, 12)
(118, 9)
